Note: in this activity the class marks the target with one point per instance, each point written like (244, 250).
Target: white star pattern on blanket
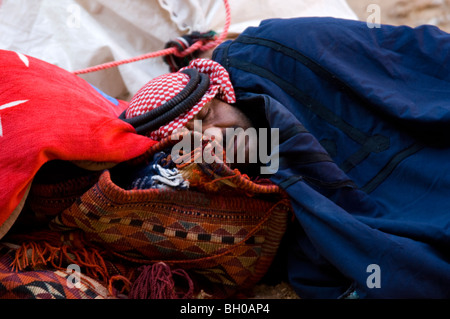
(25, 61)
(8, 105)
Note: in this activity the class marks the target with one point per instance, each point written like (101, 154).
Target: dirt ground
(394, 12)
(406, 12)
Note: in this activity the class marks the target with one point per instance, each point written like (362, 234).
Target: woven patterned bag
(224, 230)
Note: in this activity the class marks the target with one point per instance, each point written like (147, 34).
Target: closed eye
(204, 113)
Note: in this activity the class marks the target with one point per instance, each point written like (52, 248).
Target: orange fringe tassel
(40, 253)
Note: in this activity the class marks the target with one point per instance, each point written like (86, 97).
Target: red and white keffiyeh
(163, 88)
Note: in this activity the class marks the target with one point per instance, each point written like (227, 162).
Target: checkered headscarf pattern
(163, 88)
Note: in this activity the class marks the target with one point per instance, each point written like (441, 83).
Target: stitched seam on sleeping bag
(316, 107)
(318, 69)
(382, 174)
(369, 144)
(390, 166)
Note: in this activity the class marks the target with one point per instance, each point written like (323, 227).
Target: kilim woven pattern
(43, 283)
(223, 232)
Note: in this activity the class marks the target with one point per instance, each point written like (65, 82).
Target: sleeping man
(362, 124)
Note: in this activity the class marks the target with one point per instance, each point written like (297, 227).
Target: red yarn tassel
(157, 282)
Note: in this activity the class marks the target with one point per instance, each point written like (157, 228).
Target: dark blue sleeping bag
(364, 151)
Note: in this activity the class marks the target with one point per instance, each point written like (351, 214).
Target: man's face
(215, 118)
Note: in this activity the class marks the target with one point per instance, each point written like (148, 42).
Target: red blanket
(47, 113)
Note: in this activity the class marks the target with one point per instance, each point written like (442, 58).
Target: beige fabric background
(75, 34)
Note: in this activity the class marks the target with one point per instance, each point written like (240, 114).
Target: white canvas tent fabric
(76, 34)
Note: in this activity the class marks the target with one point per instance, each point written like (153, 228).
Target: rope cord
(199, 45)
